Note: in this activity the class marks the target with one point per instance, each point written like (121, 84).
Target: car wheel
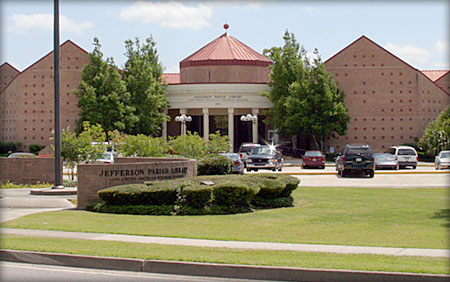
(255, 169)
(280, 168)
(414, 167)
(371, 174)
(343, 173)
(323, 167)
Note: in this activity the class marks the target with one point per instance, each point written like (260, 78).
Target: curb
(212, 269)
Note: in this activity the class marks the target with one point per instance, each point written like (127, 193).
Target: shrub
(36, 148)
(269, 187)
(214, 165)
(7, 147)
(188, 145)
(291, 183)
(278, 202)
(132, 209)
(196, 196)
(234, 193)
(163, 193)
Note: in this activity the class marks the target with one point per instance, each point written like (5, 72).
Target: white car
(107, 158)
(405, 155)
(442, 160)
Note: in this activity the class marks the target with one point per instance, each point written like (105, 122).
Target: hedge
(234, 193)
(132, 209)
(215, 165)
(216, 194)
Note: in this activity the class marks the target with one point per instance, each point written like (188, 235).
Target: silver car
(238, 164)
(442, 160)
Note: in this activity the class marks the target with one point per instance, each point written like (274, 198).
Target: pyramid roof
(225, 50)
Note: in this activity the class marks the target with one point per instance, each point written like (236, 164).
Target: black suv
(356, 159)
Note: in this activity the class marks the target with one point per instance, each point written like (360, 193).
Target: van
(405, 155)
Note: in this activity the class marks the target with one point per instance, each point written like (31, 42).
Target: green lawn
(231, 256)
(414, 218)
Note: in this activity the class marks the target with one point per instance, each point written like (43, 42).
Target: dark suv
(356, 159)
(264, 157)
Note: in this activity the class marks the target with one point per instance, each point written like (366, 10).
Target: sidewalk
(339, 249)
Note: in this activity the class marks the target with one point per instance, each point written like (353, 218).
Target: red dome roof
(225, 50)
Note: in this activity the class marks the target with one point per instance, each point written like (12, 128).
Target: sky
(415, 31)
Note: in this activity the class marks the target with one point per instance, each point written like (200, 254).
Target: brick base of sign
(94, 177)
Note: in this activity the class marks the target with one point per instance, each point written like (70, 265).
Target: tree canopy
(436, 137)
(142, 77)
(102, 95)
(306, 100)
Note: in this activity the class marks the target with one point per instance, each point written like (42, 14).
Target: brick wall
(94, 177)
(27, 170)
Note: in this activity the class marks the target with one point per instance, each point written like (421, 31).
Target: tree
(436, 137)
(306, 99)
(142, 76)
(102, 95)
(143, 146)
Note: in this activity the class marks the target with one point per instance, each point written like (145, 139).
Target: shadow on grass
(444, 213)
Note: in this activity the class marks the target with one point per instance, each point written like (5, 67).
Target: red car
(313, 159)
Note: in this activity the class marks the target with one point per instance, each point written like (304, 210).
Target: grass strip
(408, 218)
(225, 255)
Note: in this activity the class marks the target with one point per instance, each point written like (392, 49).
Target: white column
(255, 126)
(231, 127)
(206, 124)
(164, 126)
(183, 124)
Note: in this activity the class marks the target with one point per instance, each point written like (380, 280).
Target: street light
(183, 119)
(249, 117)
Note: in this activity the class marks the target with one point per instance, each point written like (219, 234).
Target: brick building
(389, 101)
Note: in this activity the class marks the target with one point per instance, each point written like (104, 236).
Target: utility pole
(58, 169)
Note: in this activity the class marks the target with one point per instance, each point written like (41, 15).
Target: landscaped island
(217, 194)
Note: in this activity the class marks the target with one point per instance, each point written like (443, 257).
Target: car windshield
(404, 152)
(445, 155)
(262, 150)
(359, 151)
(106, 157)
(234, 157)
(313, 154)
(387, 157)
(246, 149)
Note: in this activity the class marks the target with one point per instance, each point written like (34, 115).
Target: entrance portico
(219, 107)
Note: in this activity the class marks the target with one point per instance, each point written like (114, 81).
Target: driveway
(15, 203)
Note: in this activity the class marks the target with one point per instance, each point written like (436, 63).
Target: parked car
(356, 159)
(245, 149)
(22, 155)
(264, 157)
(313, 159)
(442, 160)
(107, 158)
(405, 155)
(238, 164)
(385, 160)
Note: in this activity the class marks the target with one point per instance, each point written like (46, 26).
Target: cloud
(169, 14)
(441, 65)
(23, 23)
(409, 53)
(442, 46)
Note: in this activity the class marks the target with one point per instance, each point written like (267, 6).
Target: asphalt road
(24, 272)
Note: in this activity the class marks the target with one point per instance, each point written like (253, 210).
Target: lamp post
(183, 119)
(252, 118)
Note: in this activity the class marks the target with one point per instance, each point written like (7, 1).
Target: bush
(188, 145)
(234, 193)
(269, 187)
(214, 165)
(196, 196)
(7, 147)
(164, 193)
(279, 202)
(35, 148)
(132, 209)
(290, 183)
